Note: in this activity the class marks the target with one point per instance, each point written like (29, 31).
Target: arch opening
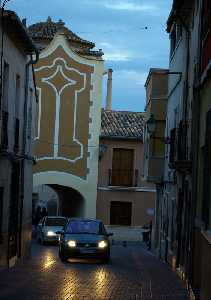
(58, 200)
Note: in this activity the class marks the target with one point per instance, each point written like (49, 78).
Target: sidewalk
(125, 233)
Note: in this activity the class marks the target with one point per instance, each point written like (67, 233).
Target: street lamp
(151, 124)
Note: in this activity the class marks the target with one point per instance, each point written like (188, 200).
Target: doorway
(120, 213)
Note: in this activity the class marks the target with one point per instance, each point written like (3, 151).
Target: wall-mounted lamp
(102, 150)
(151, 124)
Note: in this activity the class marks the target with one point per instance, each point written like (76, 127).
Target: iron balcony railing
(179, 151)
(126, 178)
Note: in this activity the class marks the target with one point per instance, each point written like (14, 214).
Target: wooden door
(1, 211)
(14, 230)
(120, 213)
(122, 167)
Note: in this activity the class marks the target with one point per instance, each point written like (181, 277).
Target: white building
(177, 207)
(16, 138)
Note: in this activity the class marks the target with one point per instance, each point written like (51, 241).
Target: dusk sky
(118, 28)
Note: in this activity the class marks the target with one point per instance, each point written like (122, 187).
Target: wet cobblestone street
(132, 274)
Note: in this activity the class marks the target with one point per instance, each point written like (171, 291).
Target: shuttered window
(122, 167)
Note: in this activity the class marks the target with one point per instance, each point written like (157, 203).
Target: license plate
(86, 251)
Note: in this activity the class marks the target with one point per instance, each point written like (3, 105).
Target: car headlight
(71, 244)
(102, 244)
(51, 233)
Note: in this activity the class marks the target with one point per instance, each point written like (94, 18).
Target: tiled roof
(89, 52)
(47, 30)
(122, 124)
(17, 32)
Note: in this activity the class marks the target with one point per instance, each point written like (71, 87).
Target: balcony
(123, 178)
(4, 130)
(178, 158)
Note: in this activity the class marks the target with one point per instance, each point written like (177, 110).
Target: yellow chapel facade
(69, 89)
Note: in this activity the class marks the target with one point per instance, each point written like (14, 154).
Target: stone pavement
(132, 274)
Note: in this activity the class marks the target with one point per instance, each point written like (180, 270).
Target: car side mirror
(60, 232)
(110, 234)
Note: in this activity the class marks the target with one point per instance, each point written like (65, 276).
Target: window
(172, 145)
(175, 36)
(5, 116)
(17, 96)
(55, 222)
(29, 125)
(17, 109)
(87, 226)
(178, 32)
(5, 86)
(173, 40)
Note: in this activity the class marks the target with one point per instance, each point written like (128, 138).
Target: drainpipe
(30, 63)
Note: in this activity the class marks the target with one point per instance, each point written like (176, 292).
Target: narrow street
(132, 274)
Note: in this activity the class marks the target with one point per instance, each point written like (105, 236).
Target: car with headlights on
(47, 228)
(84, 238)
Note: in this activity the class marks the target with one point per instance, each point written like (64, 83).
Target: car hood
(85, 238)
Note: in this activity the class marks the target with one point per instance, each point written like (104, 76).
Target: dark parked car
(84, 238)
(46, 229)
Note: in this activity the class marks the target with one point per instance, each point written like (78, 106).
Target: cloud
(130, 77)
(129, 6)
(113, 53)
(126, 5)
(120, 54)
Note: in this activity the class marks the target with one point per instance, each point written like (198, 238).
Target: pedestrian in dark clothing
(44, 212)
(38, 216)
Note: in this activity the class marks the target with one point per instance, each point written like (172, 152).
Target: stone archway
(59, 200)
(71, 202)
(45, 196)
(72, 191)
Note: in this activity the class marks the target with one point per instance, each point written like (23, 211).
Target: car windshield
(55, 222)
(86, 226)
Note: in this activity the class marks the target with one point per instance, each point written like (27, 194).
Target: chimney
(109, 90)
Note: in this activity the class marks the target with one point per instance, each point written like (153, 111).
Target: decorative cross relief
(66, 83)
